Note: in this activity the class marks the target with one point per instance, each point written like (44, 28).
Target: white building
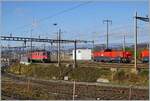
(82, 54)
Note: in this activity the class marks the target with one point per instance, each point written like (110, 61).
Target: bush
(88, 74)
(120, 76)
(85, 74)
(134, 78)
(144, 73)
(144, 77)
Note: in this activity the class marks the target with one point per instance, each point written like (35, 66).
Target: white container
(82, 54)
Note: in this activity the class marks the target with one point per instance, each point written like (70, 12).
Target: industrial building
(82, 54)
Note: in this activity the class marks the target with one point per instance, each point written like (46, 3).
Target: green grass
(89, 74)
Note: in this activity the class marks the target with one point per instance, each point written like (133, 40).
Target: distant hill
(141, 46)
(69, 48)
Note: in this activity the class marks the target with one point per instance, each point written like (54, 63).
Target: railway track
(105, 65)
(114, 65)
(64, 89)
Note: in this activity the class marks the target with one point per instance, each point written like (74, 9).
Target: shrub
(120, 76)
(144, 73)
(88, 74)
(144, 77)
(134, 78)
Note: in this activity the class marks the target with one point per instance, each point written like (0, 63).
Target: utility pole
(75, 54)
(51, 51)
(57, 47)
(58, 44)
(147, 45)
(0, 56)
(107, 22)
(93, 44)
(31, 39)
(124, 42)
(59, 38)
(145, 19)
(33, 25)
(44, 47)
(25, 44)
(30, 52)
(135, 45)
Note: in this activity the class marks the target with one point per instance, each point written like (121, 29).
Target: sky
(84, 22)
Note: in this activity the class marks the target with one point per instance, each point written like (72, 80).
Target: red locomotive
(112, 56)
(39, 56)
(144, 55)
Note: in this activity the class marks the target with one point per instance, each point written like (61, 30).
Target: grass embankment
(85, 74)
(126, 77)
(51, 71)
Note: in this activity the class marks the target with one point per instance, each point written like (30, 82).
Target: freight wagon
(39, 56)
(144, 55)
(112, 56)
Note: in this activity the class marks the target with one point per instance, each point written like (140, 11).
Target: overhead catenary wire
(118, 33)
(54, 15)
(116, 28)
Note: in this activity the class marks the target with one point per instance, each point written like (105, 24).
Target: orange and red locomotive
(112, 56)
(144, 55)
(39, 56)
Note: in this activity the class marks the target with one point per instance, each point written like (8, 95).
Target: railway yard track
(62, 90)
(106, 65)
(114, 65)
